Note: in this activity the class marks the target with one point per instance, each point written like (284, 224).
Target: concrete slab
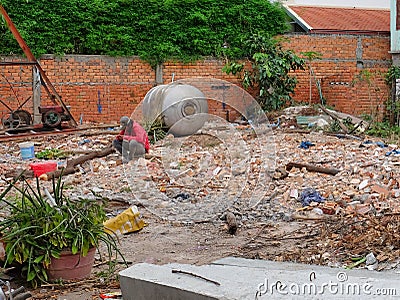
(238, 278)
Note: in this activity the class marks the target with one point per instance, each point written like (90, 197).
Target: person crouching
(132, 141)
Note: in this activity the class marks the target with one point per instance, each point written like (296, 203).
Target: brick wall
(351, 71)
(101, 89)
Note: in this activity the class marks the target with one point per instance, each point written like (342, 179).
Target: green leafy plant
(335, 125)
(155, 30)
(269, 72)
(156, 130)
(40, 226)
(384, 130)
(51, 154)
(393, 104)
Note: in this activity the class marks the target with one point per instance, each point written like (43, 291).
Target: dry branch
(71, 164)
(312, 168)
(195, 275)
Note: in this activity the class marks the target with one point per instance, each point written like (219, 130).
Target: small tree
(311, 55)
(269, 73)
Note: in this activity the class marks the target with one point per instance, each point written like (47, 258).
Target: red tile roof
(332, 19)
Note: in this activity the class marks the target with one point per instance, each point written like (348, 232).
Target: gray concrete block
(256, 279)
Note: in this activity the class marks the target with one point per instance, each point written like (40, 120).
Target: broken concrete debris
(238, 278)
(196, 180)
(321, 118)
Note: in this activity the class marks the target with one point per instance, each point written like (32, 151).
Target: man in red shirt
(132, 141)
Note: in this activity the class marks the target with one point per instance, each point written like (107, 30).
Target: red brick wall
(119, 84)
(351, 71)
(87, 83)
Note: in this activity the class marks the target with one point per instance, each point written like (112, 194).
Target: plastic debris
(379, 144)
(395, 152)
(371, 261)
(126, 222)
(277, 124)
(310, 195)
(318, 211)
(85, 141)
(306, 145)
(182, 196)
(112, 295)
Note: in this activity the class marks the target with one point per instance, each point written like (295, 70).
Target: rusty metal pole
(32, 58)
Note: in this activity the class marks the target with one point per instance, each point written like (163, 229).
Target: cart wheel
(11, 120)
(51, 119)
(24, 116)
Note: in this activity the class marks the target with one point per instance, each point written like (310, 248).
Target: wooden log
(312, 168)
(345, 136)
(15, 173)
(152, 156)
(232, 223)
(71, 164)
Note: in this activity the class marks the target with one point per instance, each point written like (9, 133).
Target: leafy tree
(269, 72)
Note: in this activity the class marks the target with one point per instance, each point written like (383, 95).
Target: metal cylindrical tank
(182, 107)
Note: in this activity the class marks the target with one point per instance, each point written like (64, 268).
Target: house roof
(318, 19)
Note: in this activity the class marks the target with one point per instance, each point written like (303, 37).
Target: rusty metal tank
(183, 108)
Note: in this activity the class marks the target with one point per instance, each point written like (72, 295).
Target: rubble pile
(339, 193)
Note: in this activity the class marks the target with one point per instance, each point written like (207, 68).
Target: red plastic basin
(43, 167)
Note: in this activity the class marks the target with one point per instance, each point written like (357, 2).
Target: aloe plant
(41, 225)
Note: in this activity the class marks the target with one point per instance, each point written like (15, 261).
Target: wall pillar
(36, 92)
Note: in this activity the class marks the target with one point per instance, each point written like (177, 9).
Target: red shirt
(136, 132)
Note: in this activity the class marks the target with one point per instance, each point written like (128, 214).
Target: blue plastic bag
(306, 145)
(310, 195)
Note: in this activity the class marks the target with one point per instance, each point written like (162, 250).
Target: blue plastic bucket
(27, 150)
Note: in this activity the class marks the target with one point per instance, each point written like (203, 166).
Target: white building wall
(394, 34)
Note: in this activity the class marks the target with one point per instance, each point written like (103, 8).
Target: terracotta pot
(71, 266)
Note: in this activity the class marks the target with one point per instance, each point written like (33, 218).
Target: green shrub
(269, 72)
(155, 30)
(39, 226)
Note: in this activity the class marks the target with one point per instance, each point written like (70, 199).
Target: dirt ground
(183, 198)
(161, 242)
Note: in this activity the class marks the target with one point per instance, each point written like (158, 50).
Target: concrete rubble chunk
(239, 278)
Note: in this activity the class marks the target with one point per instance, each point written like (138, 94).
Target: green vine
(393, 103)
(155, 30)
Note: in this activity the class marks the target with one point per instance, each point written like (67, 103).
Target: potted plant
(42, 228)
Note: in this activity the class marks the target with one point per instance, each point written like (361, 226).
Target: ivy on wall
(153, 29)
